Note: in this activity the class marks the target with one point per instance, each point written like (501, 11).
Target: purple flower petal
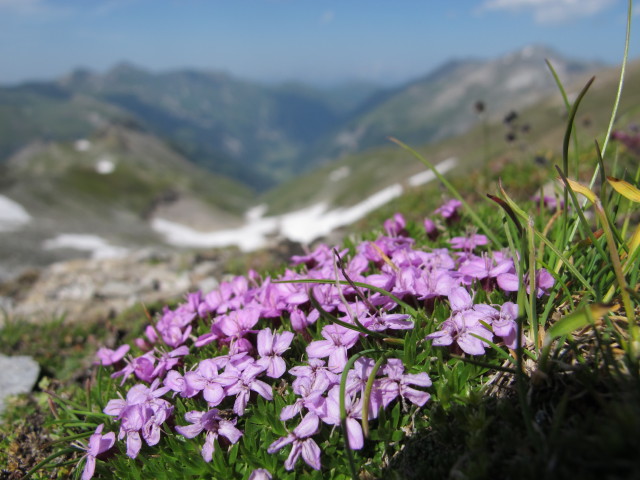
(262, 389)
(89, 467)
(208, 448)
(354, 434)
(308, 426)
(281, 442)
(320, 349)
(229, 431)
(291, 460)
(134, 444)
(311, 454)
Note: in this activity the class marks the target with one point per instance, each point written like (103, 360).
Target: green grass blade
(483, 226)
(616, 103)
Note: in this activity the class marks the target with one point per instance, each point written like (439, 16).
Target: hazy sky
(318, 41)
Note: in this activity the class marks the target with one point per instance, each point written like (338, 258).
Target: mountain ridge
(256, 133)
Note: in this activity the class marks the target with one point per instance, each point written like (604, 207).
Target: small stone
(17, 375)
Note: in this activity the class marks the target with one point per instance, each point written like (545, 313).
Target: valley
(97, 165)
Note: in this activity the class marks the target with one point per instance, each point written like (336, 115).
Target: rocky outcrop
(91, 289)
(17, 375)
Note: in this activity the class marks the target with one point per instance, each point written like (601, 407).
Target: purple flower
(240, 383)
(106, 356)
(177, 383)
(239, 322)
(354, 412)
(485, 268)
(143, 412)
(430, 229)
(359, 374)
(214, 425)
(395, 226)
(205, 378)
(544, 281)
(270, 349)
(469, 242)
(551, 202)
(508, 282)
(260, 474)
(505, 325)
(437, 259)
(142, 366)
(383, 321)
(321, 255)
(311, 396)
(98, 444)
(463, 326)
(449, 210)
(313, 369)
(301, 320)
(437, 283)
(174, 326)
(302, 444)
(168, 360)
(460, 300)
(338, 340)
(397, 383)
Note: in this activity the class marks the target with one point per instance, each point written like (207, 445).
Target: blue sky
(317, 41)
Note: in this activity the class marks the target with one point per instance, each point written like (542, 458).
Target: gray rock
(17, 375)
(84, 290)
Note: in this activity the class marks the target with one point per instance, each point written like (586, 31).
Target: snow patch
(426, 176)
(12, 215)
(249, 237)
(82, 145)
(339, 173)
(105, 165)
(528, 51)
(304, 225)
(256, 213)
(521, 80)
(350, 139)
(98, 246)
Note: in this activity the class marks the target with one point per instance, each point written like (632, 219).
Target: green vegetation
(460, 386)
(530, 153)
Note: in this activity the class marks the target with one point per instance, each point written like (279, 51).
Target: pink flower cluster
(254, 321)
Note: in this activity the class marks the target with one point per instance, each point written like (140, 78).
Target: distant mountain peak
(533, 53)
(126, 67)
(536, 50)
(126, 71)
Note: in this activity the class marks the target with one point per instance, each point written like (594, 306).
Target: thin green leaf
(483, 226)
(578, 319)
(509, 211)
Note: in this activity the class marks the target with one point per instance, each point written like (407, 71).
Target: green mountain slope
(535, 135)
(242, 129)
(111, 185)
(45, 111)
(263, 135)
(441, 104)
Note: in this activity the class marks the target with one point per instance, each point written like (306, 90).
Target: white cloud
(551, 11)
